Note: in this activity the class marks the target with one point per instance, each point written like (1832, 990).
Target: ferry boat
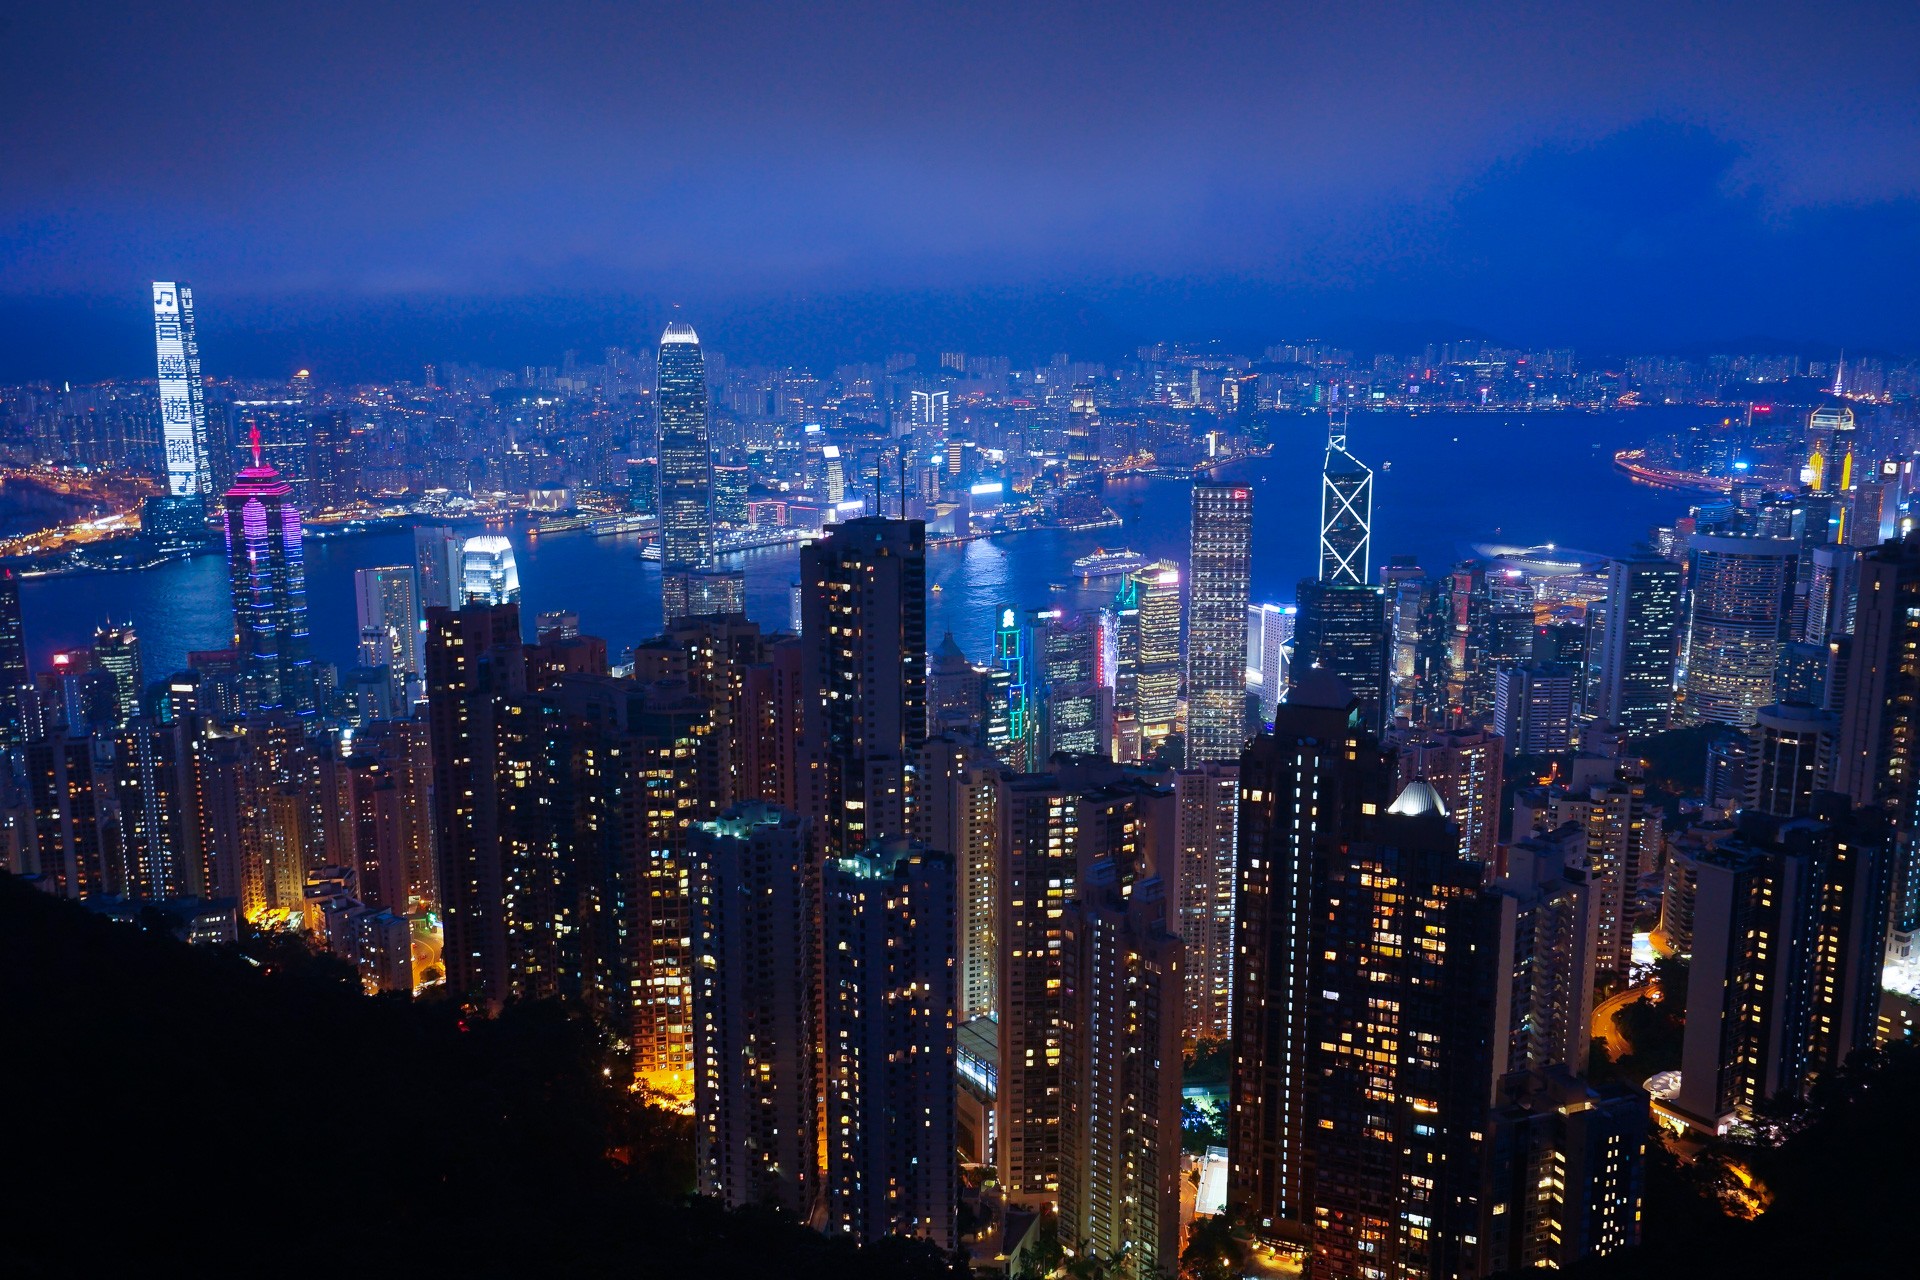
(1108, 564)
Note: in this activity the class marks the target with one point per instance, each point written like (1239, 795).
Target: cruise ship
(1108, 564)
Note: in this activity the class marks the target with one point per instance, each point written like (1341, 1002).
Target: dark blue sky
(366, 185)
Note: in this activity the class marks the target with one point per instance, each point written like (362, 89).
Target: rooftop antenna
(1840, 374)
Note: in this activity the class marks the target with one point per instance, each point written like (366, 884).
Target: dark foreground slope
(175, 1110)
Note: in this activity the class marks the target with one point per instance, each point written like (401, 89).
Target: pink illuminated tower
(269, 590)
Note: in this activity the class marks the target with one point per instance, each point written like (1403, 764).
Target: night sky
(363, 186)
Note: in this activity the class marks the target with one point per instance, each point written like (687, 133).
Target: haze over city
(970, 642)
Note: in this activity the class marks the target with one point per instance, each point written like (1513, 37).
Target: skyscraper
(888, 1024)
(436, 559)
(1341, 629)
(756, 1098)
(1269, 646)
(1346, 511)
(1637, 654)
(866, 666)
(1742, 593)
(1303, 789)
(686, 465)
(390, 634)
(488, 574)
(1788, 933)
(16, 681)
(116, 650)
(1222, 548)
(183, 409)
(1156, 651)
(269, 573)
(1120, 1075)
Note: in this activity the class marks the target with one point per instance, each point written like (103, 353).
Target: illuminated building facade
(1207, 806)
(1742, 594)
(16, 681)
(269, 575)
(1467, 768)
(865, 639)
(888, 1028)
(1222, 550)
(1788, 935)
(1156, 677)
(686, 465)
(755, 874)
(183, 409)
(1269, 646)
(1635, 689)
(389, 616)
(1120, 1075)
(488, 574)
(116, 651)
(1346, 512)
(1341, 630)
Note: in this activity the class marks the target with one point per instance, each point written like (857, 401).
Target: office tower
(1156, 652)
(730, 483)
(1207, 803)
(928, 411)
(756, 1096)
(1303, 788)
(1788, 934)
(1533, 707)
(183, 409)
(1466, 767)
(888, 1033)
(1791, 759)
(957, 808)
(1341, 631)
(1120, 1076)
(956, 692)
(1405, 584)
(686, 516)
(1566, 1172)
(1269, 645)
(390, 635)
(16, 681)
(474, 663)
(269, 572)
(866, 665)
(1222, 546)
(436, 561)
(116, 651)
(1635, 689)
(715, 591)
(556, 624)
(488, 574)
(1742, 588)
(1469, 654)
(1083, 433)
(1874, 757)
(1346, 512)
(1120, 640)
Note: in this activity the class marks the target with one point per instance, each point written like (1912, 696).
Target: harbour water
(1443, 482)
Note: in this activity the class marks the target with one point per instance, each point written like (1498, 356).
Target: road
(1617, 1046)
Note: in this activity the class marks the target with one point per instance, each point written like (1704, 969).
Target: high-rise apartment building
(887, 1028)
(957, 808)
(686, 465)
(755, 1047)
(1222, 548)
(1742, 594)
(1207, 809)
(1120, 1075)
(1787, 932)
(1533, 707)
(865, 641)
(267, 564)
(1467, 768)
(1643, 613)
(1790, 760)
